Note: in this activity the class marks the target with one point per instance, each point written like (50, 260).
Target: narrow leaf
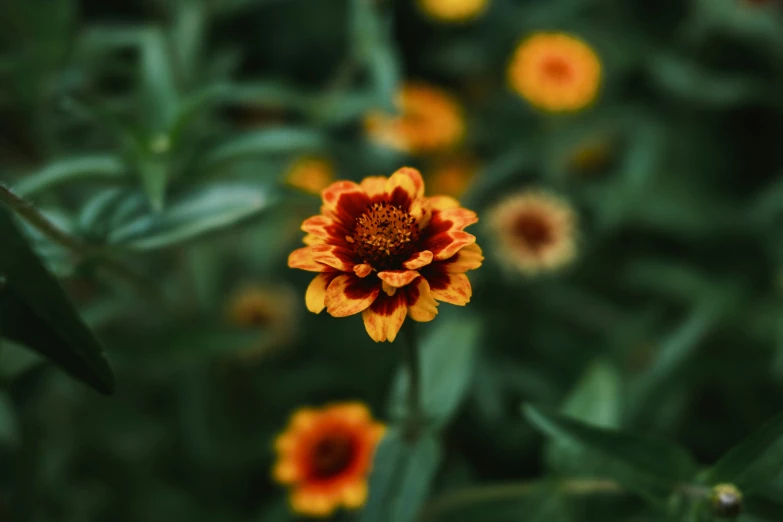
(651, 467)
(206, 209)
(266, 142)
(66, 170)
(35, 311)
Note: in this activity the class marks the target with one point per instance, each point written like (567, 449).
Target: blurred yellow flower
(269, 309)
(453, 10)
(325, 457)
(429, 120)
(534, 232)
(555, 72)
(452, 176)
(310, 174)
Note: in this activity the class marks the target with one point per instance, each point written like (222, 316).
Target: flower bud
(726, 501)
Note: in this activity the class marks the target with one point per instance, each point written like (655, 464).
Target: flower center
(557, 69)
(385, 235)
(331, 456)
(534, 231)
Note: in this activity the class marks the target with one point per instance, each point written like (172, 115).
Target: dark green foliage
(146, 145)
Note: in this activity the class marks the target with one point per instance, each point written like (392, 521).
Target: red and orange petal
(355, 256)
(429, 120)
(555, 72)
(325, 457)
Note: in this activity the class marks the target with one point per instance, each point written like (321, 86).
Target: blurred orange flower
(534, 232)
(268, 309)
(555, 72)
(452, 176)
(325, 456)
(453, 10)
(310, 174)
(591, 154)
(383, 249)
(429, 120)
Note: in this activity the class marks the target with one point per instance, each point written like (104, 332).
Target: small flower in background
(534, 231)
(453, 10)
(555, 72)
(451, 176)
(325, 457)
(591, 155)
(269, 309)
(310, 174)
(385, 250)
(429, 120)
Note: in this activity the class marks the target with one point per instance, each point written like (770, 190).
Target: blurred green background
(155, 137)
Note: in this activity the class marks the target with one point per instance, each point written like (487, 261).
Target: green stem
(412, 362)
(29, 213)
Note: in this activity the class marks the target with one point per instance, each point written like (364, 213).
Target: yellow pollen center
(384, 236)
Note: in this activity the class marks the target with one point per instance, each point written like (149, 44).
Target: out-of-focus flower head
(555, 72)
(452, 175)
(310, 174)
(384, 249)
(269, 309)
(325, 456)
(534, 232)
(429, 120)
(453, 10)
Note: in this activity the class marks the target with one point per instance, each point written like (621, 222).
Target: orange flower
(325, 457)
(555, 72)
(453, 10)
(268, 309)
(429, 120)
(310, 174)
(534, 231)
(383, 249)
(452, 176)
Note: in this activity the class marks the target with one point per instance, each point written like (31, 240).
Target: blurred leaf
(373, 46)
(188, 35)
(596, 401)
(447, 363)
(402, 472)
(675, 350)
(15, 360)
(72, 169)
(9, 426)
(694, 85)
(264, 142)
(158, 81)
(650, 467)
(754, 462)
(596, 398)
(35, 311)
(763, 508)
(154, 174)
(204, 209)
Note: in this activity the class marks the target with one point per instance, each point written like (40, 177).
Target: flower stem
(414, 416)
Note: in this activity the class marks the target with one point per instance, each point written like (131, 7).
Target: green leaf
(154, 174)
(754, 462)
(596, 398)
(596, 401)
(650, 467)
(687, 81)
(35, 311)
(402, 472)
(205, 209)
(265, 142)
(66, 170)
(157, 80)
(447, 361)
